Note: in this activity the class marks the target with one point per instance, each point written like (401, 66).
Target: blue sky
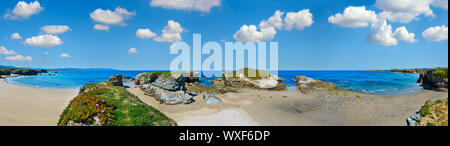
(322, 45)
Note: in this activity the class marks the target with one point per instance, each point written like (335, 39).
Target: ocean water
(371, 82)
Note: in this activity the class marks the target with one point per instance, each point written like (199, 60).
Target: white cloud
(132, 51)
(275, 21)
(404, 11)
(16, 36)
(24, 10)
(300, 19)
(401, 33)
(189, 5)
(46, 40)
(145, 33)
(47, 53)
(354, 17)
(55, 29)
(381, 33)
(101, 27)
(5, 51)
(108, 17)
(19, 58)
(64, 55)
(441, 4)
(171, 32)
(437, 33)
(250, 33)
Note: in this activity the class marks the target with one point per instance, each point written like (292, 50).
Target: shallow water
(371, 82)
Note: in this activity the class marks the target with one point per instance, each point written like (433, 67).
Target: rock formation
(116, 80)
(253, 79)
(166, 87)
(308, 85)
(434, 80)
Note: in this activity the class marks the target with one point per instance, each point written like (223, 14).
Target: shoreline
(42, 106)
(32, 106)
(291, 108)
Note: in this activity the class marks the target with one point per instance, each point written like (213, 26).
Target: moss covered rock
(253, 78)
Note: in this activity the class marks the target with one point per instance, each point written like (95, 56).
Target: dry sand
(31, 106)
(292, 108)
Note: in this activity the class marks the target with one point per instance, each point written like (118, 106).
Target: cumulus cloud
(267, 28)
(55, 29)
(171, 32)
(4, 51)
(145, 33)
(275, 21)
(189, 5)
(19, 58)
(401, 33)
(46, 40)
(443, 4)
(354, 17)
(101, 27)
(132, 51)
(108, 17)
(437, 33)
(381, 33)
(16, 36)
(250, 33)
(64, 55)
(24, 10)
(404, 11)
(298, 20)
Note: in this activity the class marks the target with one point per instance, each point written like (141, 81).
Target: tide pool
(371, 82)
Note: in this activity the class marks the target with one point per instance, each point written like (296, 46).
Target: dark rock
(414, 119)
(308, 85)
(431, 81)
(116, 80)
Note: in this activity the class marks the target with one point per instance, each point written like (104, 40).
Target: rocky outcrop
(166, 87)
(434, 80)
(167, 97)
(128, 78)
(259, 79)
(308, 85)
(116, 80)
(432, 113)
(23, 72)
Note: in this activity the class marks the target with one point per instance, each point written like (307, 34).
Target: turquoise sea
(371, 82)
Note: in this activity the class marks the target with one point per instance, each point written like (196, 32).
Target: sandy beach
(292, 108)
(32, 106)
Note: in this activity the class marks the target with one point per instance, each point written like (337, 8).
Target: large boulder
(308, 85)
(165, 86)
(167, 97)
(116, 80)
(434, 80)
(253, 79)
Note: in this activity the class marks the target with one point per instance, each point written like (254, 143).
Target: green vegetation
(442, 72)
(9, 71)
(434, 113)
(101, 104)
